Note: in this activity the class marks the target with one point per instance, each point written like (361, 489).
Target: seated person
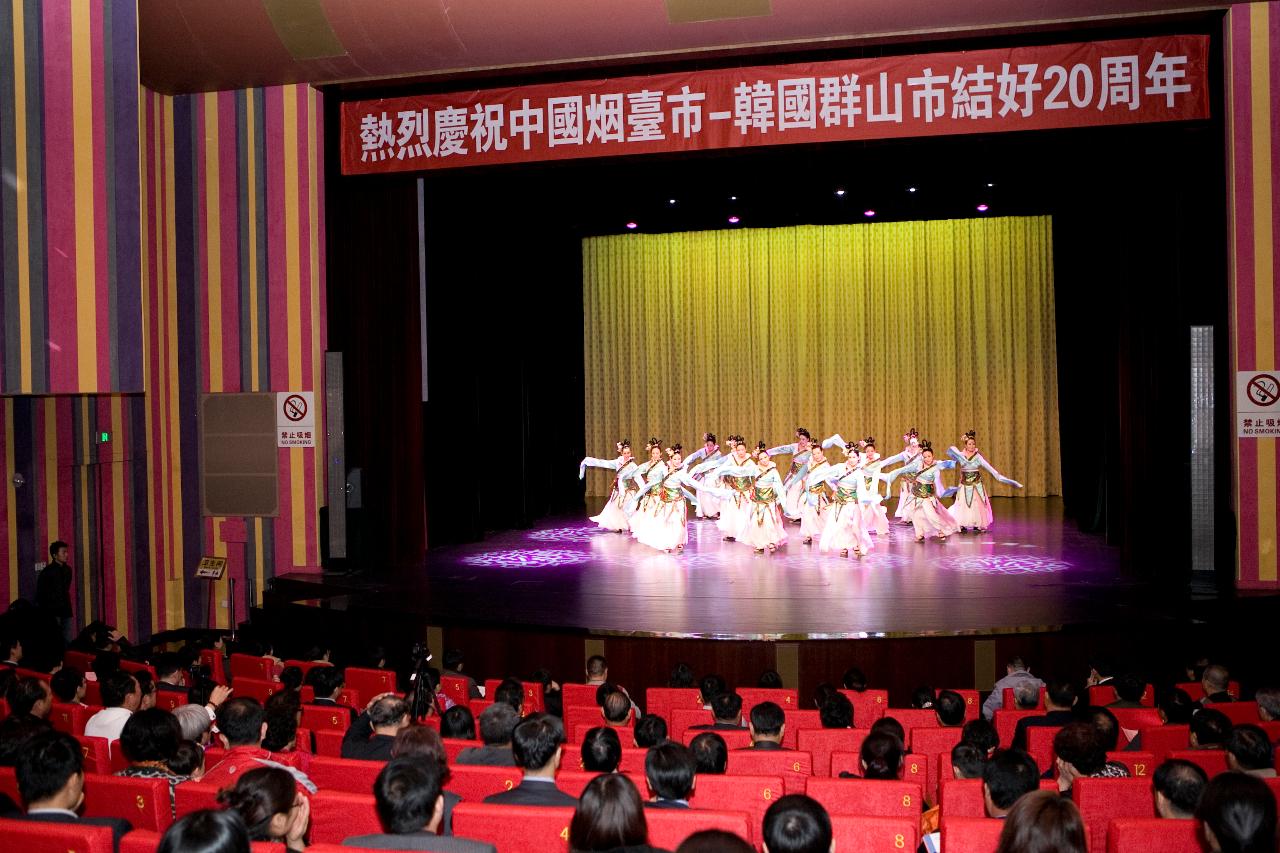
(1210, 729)
(149, 740)
(1026, 696)
(710, 753)
(68, 686)
(1178, 786)
(890, 726)
(1249, 750)
(1238, 812)
(370, 737)
(854, 679)
(836, 712)
(187, 761)
(242, 726)
(453, 663)
(458, 723)
(409, 797)
(949, 708)
(726, 712)
(880, 757)
(423, 742)
(121, 696)
(1105, 723)
(271, 805)
(497, 723)
(1215, 681)
(616, 710)
(797, 824)
(1081, 753)
(1009, 775)
(766, 726)
(29, 697)
(1268, 699)
(328, 683)
(510, 691)
(923, 697)
(601, 750)
(51, 781)
(981, 734)
(1059, 700)
(650, 730)
(1175, 707)
(609, 818)
(710, 687)
(169, 673)
(967, 761)
(1129, 690)
(536, 746)
(206, 831)
(672, 774)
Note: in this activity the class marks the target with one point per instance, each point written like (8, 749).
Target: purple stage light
(1014, 564)
(583, 533)
(733, 220)
(633, 225)
(528, 558)
(840, 193)
(982, 208)
(868, 213)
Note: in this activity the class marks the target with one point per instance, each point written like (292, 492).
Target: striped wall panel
(70, 318)
(1253, 94)
(233, 283)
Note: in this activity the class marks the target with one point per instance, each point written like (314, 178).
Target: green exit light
(104, 437)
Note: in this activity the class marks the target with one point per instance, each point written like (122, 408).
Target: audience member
(1129, 689)
(149, 741)
(1249, 751)
(15, 732)
(1101, 671)
(1016, 672)
(823, 692)
(1178, 786)
(424, 743)
(1105, 724)
(714, 841)
(601, 750)
(949, 708)
(890, 726)
(1238, 814)
(194, 723)
(616, 710)
(1042, 822)
(671, 772)
(11, 648)
(1215, 681)
(1210, 729)
(1059, 700)
(370, 737)
(981, 734)
(187, 760)
(291, 679)
(453, 664)
(120, 698)
(146, 689)
(610, 817)
(170, 675)
(650, 730)
(1007, 776)
(283, 712)
(710, 753)
(497, 722)
(1175, 707)
(1268, 699)
(29, 697)
(328, 682)
(510, 691)
(50, 775)
(552, 698)
(1080, 753)
(536, 746)
(68, 685)
(797, 824)
(681, 676)
(836, 712)
(206, 831)
(53, 588)
(271, 805)
(597, 670)
(854, 680)
(770, 680)
(242, 726)
(880, 756)
(710, 687)
(967, 761)
(923, 697)
(726, 712)
(409, 795)
(766, 726)
(104, 663)
(458, 724)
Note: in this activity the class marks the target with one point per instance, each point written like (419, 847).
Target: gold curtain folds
(861, 329)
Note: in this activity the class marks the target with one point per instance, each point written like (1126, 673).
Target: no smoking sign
(1257, 404)
(295, 419)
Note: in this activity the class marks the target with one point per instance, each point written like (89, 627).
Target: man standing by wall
(53, 588)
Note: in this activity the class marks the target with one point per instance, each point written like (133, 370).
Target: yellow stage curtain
(863, 329)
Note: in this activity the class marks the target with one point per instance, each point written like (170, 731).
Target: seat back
(70, 718)
(142, 802)
(1162, 740)
(576, 716)
(573, 782)
(682, 719)
(932, 743)
(668, 828)
(972, 702)
(135, 666)
(194, 796)
(1134, 720)
(799, 720)
(9, 784)
(1152, 835)
(633, 760)
(320, 718)
(474, 783)
(734, 739)
(23, 672)
(514, 829)
(213, 661)
(582, 694)
(257, 688)
(750, 794)
(978, 834)
(97, 754)
(912, 719)
(1040, 745)
(915, 768)
(820, 743)
(793, 766)
(1239, 712)
(1006, 721)
(532, 700)
(864, 834)
(250, 666)
(1008, 703)
(305, 665)
(868, 706)
(39, 837)
(1101, 800)
(344, 774)
(82, 661)
(1196, 690)
(453, 746)
(664, 700)
(92, 693)
(784, 697)
(370, 682)
(962, 798)
(1105, 694)
(457, 689)
(168, 700)
(1212, 761)
(1140, 764)
(328, 742)
(336, 815)
(867, 797)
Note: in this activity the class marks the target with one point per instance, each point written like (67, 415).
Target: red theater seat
(1273, 784)
(1006, 721)
(9, 784)
(457, 689)
(785, 698)
(915, 768)
(972, 702)
(328, 742)
(344, 774)
(580, 694)
(1008, 703)
(336, 815)
(515, 829)
(1140, 764)
(933, 743)
(82, 661)
(212, 660)
(867, 797)
(1162, 740)
(1196, 691)
(735, 739)
(798, 721)
(682, 719)
(1239, 712)
(1101, 800)
(531, 702)
(868, 706)
(1040, 745)
(194, 796)
(146, 841)
(750, 794)
(577, 716)
(820, 743)
(913, 718)
(668, 828)
(862, 834)
(961, 798)
(142, 802)
(633, 759)
(971, 834)
(23, 672)
(1105, 694)
(474, 783)
(1135, 720)
(453, 746)
(69, 718)
(573, 782)
(33, 837)
(168, 700)
(97, 754)
(1212, 761)
(664, 700)
(325, 718)
(793, 766)
(1152, 835)
(250, 666)
(134, 666)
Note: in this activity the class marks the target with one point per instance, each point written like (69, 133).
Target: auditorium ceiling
(206, 45)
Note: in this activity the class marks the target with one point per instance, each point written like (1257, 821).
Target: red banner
(1027, 88)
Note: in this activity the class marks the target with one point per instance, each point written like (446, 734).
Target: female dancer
(643, 472)
(972, 506)
(875, 518)
(928, 515)
(738, 473)
(701, 461)
(662, 520)
(613, 515)
(843, 529)
(816, 497)
(793, 486)
(911, 449)
(762, 528)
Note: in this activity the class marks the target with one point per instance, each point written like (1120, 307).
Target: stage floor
(1034, 571)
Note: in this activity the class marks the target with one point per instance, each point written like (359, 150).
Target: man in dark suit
(51, 780)
(766, 726)
(411, 808)
(672, 773)
(328, 682)
(726, 710)
(1059, 700)
(372, 735)
(535, 744)
(453, 663)
(1216, 681)
(497, 723)
(53, 588)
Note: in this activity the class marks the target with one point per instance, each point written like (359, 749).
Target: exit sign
(104, 437)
